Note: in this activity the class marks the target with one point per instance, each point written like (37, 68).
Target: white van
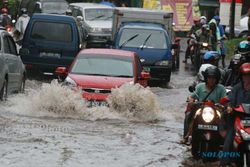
(96, 19)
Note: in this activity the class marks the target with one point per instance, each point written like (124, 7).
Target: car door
(11, 59)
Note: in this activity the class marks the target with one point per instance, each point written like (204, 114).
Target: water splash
(129, 102)
(135, 102)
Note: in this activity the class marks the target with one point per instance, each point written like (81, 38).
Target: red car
(97, 71)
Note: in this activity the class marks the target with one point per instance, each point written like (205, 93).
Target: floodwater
(50, 125)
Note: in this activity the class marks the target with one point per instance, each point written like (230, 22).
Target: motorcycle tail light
(208, 114)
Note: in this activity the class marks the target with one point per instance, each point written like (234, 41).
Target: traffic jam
(115, 84)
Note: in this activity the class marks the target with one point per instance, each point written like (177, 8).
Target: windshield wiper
(130, 39)
(97, 17)
(109, 17)
(146, 40)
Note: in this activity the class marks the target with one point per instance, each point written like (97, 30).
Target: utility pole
(232, 18)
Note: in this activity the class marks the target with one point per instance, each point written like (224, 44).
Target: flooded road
(50, 125)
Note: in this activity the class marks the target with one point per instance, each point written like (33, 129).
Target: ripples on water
(131, 102)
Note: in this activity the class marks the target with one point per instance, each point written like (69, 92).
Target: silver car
(12, 69)
(240, 31)
(96, 20)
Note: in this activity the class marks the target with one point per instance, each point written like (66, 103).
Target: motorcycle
(202, 48)
(206, 138)
(242, 134)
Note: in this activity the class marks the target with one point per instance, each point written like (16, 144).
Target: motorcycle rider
(5, 18)
(210, 90)
(240, 94)
(221, 39)
(234, 69)
(193, 29)
(21, 25)
(203, 34)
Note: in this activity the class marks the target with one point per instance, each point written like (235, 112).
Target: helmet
(212, 71)
(210, 55)
(205, 27)
(236, 59)
(202, 70)
(203, 17)
(4, 10)
(24, 11)
(244, 46)
(245, 69)
(203, 20)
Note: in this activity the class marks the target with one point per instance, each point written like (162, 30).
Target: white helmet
(202, 70)
(203, 20)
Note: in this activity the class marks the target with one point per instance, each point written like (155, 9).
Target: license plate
(208, 127)
(246, 123)
(47, 54)
(146, 69)
(96, 103)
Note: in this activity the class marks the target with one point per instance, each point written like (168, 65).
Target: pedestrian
(240, 94)
(21, 25)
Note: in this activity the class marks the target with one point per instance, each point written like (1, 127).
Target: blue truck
(149, 33)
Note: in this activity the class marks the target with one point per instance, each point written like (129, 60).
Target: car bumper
(159, 72)
(98, 38)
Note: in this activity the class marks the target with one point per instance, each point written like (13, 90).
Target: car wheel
(22, 86)
(4, 91)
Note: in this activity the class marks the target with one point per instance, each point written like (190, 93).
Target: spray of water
(131, 102)
(135, 102)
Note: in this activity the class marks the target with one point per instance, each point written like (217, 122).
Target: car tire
(4, 91)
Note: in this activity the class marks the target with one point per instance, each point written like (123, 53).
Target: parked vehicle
(43, 6)
(50, 41)
(97, 71)
(149, 33)
(241, 30)
(96, 19)
(12, 70)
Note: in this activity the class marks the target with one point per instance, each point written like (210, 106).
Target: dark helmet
(245, 69)
(244, 46)
(24, 11)
(212, 71)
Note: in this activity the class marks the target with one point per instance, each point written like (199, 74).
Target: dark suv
(51, 41)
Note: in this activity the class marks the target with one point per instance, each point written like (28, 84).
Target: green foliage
(12, 6)
(231, 45)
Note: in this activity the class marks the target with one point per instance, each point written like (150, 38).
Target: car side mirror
(174, 46)
(145, 75)
(191, 88)
(24, 52)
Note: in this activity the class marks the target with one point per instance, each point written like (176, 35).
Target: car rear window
(52, 7)
(52, 32)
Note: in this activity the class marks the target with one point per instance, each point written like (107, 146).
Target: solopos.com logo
(220, 154)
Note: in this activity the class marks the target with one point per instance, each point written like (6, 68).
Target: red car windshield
(103, 66)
